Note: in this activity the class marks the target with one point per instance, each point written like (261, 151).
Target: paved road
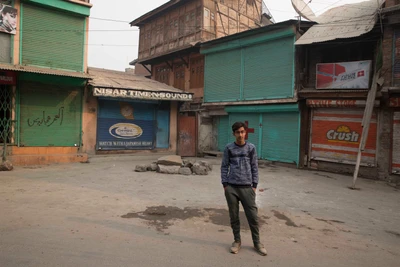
(104, 214)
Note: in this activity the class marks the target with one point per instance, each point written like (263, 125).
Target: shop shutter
(5, 47)
(269, 70)
(52, 38)
(280, 140)
(224, 132)
(125, 116)
(396, 143)
(396, 58)
(50, 115)
(336, 135)
(162, 136)
(222, 76)
(253, 123)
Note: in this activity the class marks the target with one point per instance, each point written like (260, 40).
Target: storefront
(273, 129)
(336, 129)
(395, 104)
(133, 112)
(8, 80)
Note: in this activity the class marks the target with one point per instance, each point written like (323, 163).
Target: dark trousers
(247, 197)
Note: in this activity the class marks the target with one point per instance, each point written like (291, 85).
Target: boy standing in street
(239, 177)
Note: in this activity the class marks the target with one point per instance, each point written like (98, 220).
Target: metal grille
(7, 124)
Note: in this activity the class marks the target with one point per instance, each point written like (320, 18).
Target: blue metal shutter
(52, 38)
(162, 136)
(222, 76)
(280, 140)
(224, 132)
(269, 70)
(129, 115)
(253, 121)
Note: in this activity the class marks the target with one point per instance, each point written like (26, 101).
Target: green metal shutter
(269, 70)
(222, 76)
(50, 115)
(280, 140)
(253, 122)
(52, 39)
(5, 47)
(224, 132)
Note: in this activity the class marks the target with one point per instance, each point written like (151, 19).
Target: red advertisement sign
(336, 136)
(8, 77)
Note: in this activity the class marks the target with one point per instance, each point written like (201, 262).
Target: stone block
(172, 160)
(167, 169)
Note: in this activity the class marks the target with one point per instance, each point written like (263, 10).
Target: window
(196, 73)
(162, 74)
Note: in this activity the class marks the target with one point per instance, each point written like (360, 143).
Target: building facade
(255, 85)
(43, 74)
(170, 38)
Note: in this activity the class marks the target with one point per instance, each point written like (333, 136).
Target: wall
(89, 122)
(205, 139)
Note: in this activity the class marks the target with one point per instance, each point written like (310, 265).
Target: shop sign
(343, 75)
(336, 135)
(140, 94)
(394, 102)
(117, 134)
(8, 77)
(342, 103)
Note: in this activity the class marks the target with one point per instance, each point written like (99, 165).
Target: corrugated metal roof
(341, 22)
(124, 80)
(40, 70)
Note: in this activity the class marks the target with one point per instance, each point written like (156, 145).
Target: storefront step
(27, 160)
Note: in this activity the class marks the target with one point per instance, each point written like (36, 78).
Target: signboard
(394, 102)
(344, 75)
(336, 136)
(8, 77)
(141, 94)
(117, 134)
(8, 19)
(338, 103)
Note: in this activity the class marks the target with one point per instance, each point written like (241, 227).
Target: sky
(113, 43)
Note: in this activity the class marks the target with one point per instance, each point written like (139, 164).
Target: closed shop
(396, 143)
(50, 115)
(336, 135)
(124, 124)
(224, 132)
(274, 130)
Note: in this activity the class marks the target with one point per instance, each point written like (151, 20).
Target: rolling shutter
(336, 135)
(50, 115)
(52, 38)
(396, 143)
(222, 76)
(268, 70)
(396, 58)
(125, 125)
(5, 47)
(280, 140)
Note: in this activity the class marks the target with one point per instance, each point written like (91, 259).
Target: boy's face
(240, 135)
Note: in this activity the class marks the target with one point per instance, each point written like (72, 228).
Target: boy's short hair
(237, 125)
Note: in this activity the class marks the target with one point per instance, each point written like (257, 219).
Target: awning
(342, 22)
(40, 70)
(119, 84)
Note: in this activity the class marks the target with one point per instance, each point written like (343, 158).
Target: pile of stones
(175, 165)
(6, 166)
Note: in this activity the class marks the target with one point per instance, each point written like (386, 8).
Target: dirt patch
(161, 217)
(221, 217)
(283, 217)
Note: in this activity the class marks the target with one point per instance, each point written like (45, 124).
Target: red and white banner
(336, 136)
(343, 75)
(8, 77)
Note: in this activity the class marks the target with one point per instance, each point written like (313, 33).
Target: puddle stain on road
(283, 217)
(162, 217)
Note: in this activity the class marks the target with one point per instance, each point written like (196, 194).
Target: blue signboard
(125, 126)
